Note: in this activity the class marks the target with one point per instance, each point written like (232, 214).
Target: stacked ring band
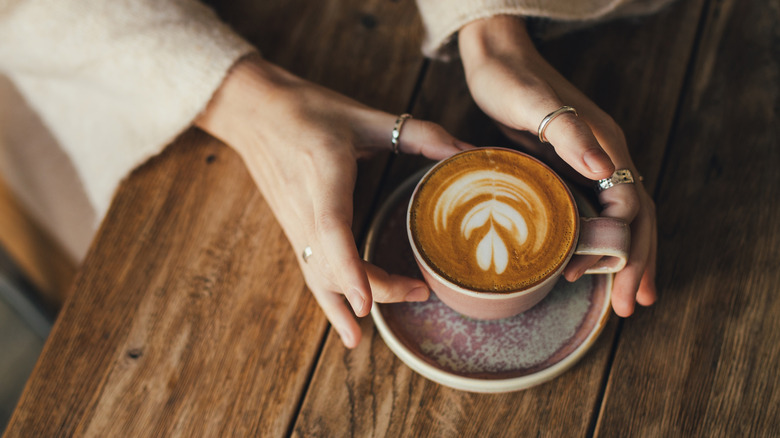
(550, 117)
(621, 176)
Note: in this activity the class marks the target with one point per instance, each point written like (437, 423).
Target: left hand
(300, 143)
(515, 86)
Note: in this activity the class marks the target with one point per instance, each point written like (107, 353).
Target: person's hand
(300, 143)
(516, 87)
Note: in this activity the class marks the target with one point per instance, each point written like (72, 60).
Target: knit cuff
(443, 19)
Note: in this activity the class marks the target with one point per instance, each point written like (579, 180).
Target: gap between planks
(654, 192)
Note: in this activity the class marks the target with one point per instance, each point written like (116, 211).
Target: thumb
(569, 134)
(421, 137)
(391, 288)
(575, 143)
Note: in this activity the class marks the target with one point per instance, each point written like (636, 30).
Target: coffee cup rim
(491, 295)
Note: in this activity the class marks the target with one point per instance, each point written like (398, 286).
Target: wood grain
(179, 312)
(704, 360)
(369, 392)
(365, 49)
(190, 316)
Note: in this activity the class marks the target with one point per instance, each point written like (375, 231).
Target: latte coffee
(493, 220)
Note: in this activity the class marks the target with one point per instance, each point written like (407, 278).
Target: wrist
(244, 92)
(494, 37)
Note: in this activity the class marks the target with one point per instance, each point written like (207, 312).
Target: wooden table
(190, 317)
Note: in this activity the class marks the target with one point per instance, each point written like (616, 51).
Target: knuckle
(381, 295)
(633, 205)
(388, 295)
(515, 120)
(526, 105)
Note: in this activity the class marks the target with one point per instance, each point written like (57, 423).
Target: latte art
(493, 200)
(493, 220)
(491, 250)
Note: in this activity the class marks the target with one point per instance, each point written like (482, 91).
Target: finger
(335, 238)
(606, 131)
(575, 143)
(621, 201)
(391, 288)
(339, 316)
(570, 135)
(647, 293)
(578, 265)
(627, 281)
(331, 193)
(421, 137)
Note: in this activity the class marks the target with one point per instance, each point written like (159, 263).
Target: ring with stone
(307, 252)
(399, 123)
(621, 176)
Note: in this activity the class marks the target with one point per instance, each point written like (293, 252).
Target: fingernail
(346, 338)
(417, 294)
(597, 161)
(571, 278)
(356, 301)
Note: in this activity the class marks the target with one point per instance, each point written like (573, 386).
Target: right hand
(515, 86)
(300, 143)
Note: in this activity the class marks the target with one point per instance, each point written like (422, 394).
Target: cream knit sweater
(114, 81)
(443, 18)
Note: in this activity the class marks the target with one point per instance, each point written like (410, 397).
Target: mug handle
(607, 237)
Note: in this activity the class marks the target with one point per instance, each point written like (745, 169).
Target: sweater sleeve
(115, 81)
(443, 18)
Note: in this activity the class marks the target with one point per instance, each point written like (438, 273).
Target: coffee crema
(493, 220)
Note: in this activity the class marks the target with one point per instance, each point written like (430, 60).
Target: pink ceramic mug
(484, 184)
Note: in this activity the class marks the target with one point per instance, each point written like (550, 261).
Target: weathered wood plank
(704, 361)
(178, 311)
(370, 392)
(365, 49)
(190, 316)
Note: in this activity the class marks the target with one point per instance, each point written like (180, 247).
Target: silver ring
(621, 176)
(307, 252)
(399, 123)
(550, 117)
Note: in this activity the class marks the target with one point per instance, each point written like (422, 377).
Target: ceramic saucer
(482, 356)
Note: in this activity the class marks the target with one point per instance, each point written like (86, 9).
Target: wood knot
(211, 158)
(134, 353)
(369, 21)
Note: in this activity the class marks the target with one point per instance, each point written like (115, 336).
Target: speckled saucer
(482, 356)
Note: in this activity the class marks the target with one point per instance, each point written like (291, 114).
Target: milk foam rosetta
(493, 221)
